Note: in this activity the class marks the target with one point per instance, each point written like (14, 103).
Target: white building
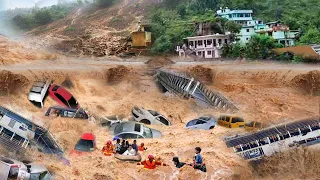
(208, 46)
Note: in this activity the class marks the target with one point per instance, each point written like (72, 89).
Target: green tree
(311, 37)
(182, 10)
(80, 2)
(259, 47)
(42, 17)
(23, 22)
(104, 3)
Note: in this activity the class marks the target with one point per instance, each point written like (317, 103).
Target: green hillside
(172, 21)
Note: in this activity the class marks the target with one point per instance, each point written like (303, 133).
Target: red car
(63, 97)
(87, 143)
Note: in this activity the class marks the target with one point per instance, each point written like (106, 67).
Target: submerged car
(13, 169)
(254, 125)
(134, 130)
(63, 97)
(38, 92)
(66, 112)
(149, 117)
(108, 121)
(87, 143)
(231, 122)
(203, 122)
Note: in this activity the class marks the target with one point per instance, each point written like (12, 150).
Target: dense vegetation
(177, 18)
(27, 19)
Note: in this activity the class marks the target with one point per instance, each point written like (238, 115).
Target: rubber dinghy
(128, 157)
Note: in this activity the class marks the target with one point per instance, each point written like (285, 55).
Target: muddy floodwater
(265, 92)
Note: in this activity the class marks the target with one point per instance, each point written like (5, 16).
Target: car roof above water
(128, 127)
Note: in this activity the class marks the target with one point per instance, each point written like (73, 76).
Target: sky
(11, 4)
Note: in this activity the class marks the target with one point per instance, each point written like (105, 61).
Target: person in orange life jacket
(108, 149)
(141, 147)
(151, 163)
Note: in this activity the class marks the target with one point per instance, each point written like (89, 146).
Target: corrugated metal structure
(42, 139)
(280, 130)
(187, 87)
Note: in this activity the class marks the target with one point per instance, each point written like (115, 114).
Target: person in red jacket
(151, 163)
(142, 148)
(108, 148)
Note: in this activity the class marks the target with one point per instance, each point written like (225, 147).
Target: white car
(38, 92)
(149, 117)
(133, 130)
(12, 169)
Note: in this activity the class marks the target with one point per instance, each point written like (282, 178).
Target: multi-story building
(281, 33)
(208, 46)
(238, 16)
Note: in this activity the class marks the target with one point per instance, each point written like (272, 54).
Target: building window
(247, 39)
(248, 30)
(209, 42)
(12, 123)
(219, 41)
(209, 52)
(191, 43)
(241, 15)
(214, 42)
(200, 43)
(226, 41)
(199, 53)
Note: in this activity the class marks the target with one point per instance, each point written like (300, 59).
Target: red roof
(88, 136)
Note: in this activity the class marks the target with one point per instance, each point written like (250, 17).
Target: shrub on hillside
(104, 3)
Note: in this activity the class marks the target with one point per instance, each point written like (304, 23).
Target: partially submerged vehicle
(266, 142)
(12, 169)
(149, 117)
(254, 125)
(18, 133)
(133, 130)
(63, 97)
(38, 92)
(87, 143)
(57, 111)
(108, 121)
(203, 122)
(231, 122)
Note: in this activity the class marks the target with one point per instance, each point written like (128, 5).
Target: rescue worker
(151, 163)
(141, 147)
(108, 149)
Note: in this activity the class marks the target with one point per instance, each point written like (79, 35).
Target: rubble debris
(158, 62)
(117, 74)
(10, 82)
(67, 83)
(97, 46)
(203, 74)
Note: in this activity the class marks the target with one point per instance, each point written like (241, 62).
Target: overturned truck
(18, 134)
(187, 87)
